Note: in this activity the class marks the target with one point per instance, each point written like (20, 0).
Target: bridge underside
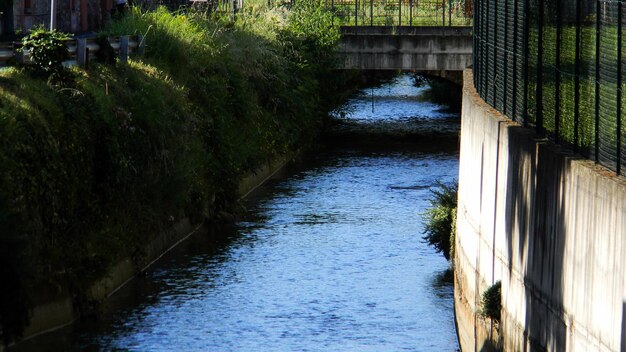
(406, 48)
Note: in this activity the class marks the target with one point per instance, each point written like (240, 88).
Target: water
(327, 259)
(397, 108)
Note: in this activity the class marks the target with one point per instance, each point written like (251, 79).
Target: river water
(328, 258)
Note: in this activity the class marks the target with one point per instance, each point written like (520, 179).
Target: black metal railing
(402, 12)
(556, 66)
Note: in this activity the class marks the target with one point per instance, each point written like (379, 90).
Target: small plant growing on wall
(47, 51)
(492, 302)
(439, 219)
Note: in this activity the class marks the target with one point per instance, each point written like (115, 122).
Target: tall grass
(440, 219)
(92, 169)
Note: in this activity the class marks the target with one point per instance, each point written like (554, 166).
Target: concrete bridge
(406, 48)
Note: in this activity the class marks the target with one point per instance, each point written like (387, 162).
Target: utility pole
(53, 16)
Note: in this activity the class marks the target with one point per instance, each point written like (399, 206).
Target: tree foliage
(47, 50)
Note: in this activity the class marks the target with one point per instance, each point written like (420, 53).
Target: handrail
(412, 13)
(81, 50)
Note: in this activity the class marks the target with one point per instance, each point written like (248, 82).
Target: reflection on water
(328, 259)
(398, 107)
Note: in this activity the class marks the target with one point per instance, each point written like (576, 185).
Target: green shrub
(47, 50)
(439, 219)
(492, 302)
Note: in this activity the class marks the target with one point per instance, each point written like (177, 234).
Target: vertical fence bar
(539, 117)
(484, 12)
(399, 12)
(557, 84)
(495, 54)
(124, 48)
(443, 12)
(81, 52)
(481, 46)
(597, 92)
(526, 59)
(411, 13)
(618, 164)
(356, 12)
(372, 13)
(484, 44)
(485, 47)
(506, 58)
(577, 74)
(450, 13)
(476, 66)
(515, 55)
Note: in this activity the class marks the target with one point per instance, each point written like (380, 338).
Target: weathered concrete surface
(549, 225)
(406, 48)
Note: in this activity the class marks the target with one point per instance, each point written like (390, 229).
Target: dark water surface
(329, 258)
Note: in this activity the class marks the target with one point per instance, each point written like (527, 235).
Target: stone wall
(551, 226)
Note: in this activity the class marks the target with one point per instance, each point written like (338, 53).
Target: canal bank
(97, 166)
(329, 257)
(57, 309)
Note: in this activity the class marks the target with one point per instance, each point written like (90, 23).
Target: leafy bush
(47, 50)
(492, 302)
(439, 219)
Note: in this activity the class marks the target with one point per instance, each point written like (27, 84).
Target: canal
(326, 258)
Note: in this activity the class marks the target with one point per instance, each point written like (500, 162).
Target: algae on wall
(93, 166)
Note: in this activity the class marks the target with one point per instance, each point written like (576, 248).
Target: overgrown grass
(491, 302)
(439, 219)
(92, 169)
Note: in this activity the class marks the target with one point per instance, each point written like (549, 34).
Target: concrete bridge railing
(406, 48)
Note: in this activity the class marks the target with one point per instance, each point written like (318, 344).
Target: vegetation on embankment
(95, 164)
(440, 219)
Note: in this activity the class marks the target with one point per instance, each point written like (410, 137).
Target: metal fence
(557, 66)
(81, 50)
(402, 12)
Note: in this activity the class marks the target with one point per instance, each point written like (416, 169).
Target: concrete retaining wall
(551, 226)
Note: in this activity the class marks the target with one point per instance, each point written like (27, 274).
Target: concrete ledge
(262, 174)
(550, 225)
(407, 30)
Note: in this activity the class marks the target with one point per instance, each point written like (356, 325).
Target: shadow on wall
(488, 346)
(535, 229)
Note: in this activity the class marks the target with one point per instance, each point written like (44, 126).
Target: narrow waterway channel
(329, 258)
